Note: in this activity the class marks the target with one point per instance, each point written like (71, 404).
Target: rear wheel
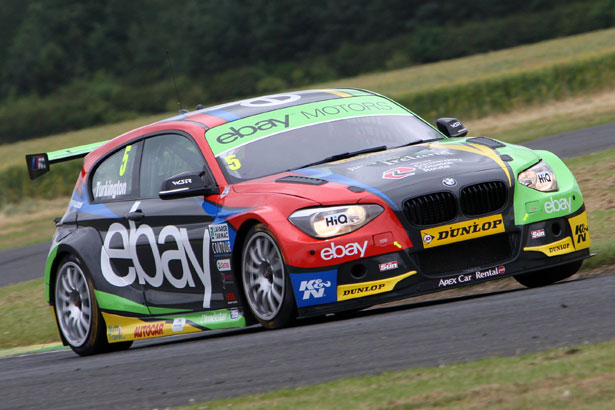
(265, 280)
(548, 276)
(77, 313)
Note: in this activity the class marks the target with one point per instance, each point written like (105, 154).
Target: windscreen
(284, 140)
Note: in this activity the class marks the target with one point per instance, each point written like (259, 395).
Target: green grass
(483, 66)
(26, 318)
(555, 118)
(595, 176)
(573, 378)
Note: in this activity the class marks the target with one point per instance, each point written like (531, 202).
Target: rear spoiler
(38, 164)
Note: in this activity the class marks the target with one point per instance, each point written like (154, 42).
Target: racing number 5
(124, 160)
(233, 162)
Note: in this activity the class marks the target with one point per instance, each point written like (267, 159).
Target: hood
(396, 175)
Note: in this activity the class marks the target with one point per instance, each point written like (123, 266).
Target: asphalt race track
(177, 371)
(28, 262)
(232, 363)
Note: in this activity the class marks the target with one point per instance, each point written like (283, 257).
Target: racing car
(296, 205)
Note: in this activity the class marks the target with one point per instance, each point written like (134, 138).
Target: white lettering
(314, 288)
(556, 205)
(340, 251)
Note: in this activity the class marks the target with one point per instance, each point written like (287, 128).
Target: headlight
(334, 220)
(539, 177)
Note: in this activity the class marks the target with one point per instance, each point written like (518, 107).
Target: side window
(165, 156)
(113, 179)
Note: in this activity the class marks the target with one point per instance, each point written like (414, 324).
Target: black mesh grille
(486, 251)
(431, 209)
(483, 198)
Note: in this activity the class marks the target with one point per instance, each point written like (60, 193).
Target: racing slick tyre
(77, 313)
(548, 276)
(265, 281)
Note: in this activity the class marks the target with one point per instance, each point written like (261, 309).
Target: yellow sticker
(580, 231)
(560, 247)
(232, 162)
(462, 231)
(122, 328)
(124, 160)
(359, 290)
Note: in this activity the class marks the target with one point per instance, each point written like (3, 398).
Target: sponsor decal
(114, 333)
(383, 239)
(436, 165)
(340, 251)
(75, 204)
(219, 232)
(272, 100)
(215, 317)
(178, 324)
(226, 276)
(388, 266)
(180, 182)
(560, 247)
(337, 219)
(449, 182)
(580, 231)
(230, 297)
(314, 288)
(225, 192)
(462, 231)
(250, 130)
(482, 274)
(359, 290)
(39, 162)
(398, 173)
(557, 205)
(543, 177)
(455, 281)
(224, 265)
(539, 233)
(234, 313)
(155, 329)
(125, 248)
(402, 159)
(339, 109)
(110, 189)
(221, 248)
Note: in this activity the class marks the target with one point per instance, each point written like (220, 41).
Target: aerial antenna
(179, 100)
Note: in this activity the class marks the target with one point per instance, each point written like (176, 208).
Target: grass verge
(576, 378)
(26, 318)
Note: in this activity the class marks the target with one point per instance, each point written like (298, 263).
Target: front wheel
(548, 276)
(77, 313)
(265, 280)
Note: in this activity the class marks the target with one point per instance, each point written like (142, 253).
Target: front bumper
(411, 272)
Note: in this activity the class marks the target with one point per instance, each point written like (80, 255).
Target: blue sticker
(315, 288)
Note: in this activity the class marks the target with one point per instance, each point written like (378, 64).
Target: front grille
(431, 209)
(489, 250)
(483, 198)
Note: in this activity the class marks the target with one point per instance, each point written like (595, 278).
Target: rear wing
(38, 164)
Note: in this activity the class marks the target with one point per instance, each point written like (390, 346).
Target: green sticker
(236, 133)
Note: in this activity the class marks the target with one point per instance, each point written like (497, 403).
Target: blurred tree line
(68, 64)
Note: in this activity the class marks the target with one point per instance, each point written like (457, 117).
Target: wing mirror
(451, 127)
(185, 185)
